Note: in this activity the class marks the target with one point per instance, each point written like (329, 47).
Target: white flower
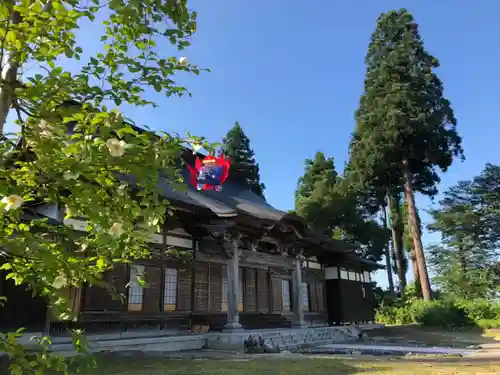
(69, 175)
(153, 222)
(116, 148)
(116, 117)
(183, 60)
(12, 202)
(45, 129)
(116, 230)
(59, 282)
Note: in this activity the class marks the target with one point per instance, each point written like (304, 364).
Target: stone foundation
(269, 340)
(284, 339)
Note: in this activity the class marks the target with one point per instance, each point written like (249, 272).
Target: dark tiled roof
(228, 202)
(188, 196)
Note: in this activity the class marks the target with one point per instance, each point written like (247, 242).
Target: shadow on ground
(423, 336)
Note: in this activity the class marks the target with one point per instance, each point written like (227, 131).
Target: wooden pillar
(233, 282)
(297, 296)
(162, 266)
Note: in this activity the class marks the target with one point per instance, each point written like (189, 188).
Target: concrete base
(300, 324)
(127, 341)
(146, 344)
(232, 326)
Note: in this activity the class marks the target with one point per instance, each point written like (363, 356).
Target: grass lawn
(284, 366)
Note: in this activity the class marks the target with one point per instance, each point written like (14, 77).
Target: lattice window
(343, 274)
(135, 290)
(305, 297)
(285, 295)
(170, 289)
(241, 284)
(224, 290)
(367, 276)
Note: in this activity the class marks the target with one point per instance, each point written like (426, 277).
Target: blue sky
(291, 72)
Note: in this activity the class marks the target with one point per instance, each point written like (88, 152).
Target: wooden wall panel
(263, 290)
(250, 297)
(355, 307)
(152, 294)
(185, 290)
(276, 295)
(313, 297)
(215, 287)
(320, 290)
(201, 287)
(97, 298)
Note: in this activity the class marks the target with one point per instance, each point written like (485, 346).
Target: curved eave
(366, 264)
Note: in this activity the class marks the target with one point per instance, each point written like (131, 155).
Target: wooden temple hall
(243, 265)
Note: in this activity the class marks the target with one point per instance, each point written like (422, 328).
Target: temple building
(244, 265)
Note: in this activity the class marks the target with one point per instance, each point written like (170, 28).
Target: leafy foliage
(323, 199)
(468, 219)
(244, 169)
(75, 148)
(441, 313)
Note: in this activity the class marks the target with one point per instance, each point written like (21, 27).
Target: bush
(488, 323)
(480, 309)
(441, 313)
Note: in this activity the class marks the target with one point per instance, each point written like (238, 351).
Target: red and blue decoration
(209, 173)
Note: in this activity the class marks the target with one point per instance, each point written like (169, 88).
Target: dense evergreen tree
(405, 128)
(244, 169)
(323, 200)
(468, 218)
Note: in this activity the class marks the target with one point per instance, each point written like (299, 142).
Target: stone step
(164, 344)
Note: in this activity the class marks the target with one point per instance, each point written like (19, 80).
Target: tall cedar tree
(406, 129)
(468, 219)
(244, 169)
(322, 200)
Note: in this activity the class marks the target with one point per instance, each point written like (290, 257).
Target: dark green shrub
(488, 323)
(479, 309)
(442, 314)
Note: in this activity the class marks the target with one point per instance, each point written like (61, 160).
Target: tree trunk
(387, 253)
(416, 275)
(397, 243)
(462, 260)
(415, 233)
(8, 74)
(414, 265)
